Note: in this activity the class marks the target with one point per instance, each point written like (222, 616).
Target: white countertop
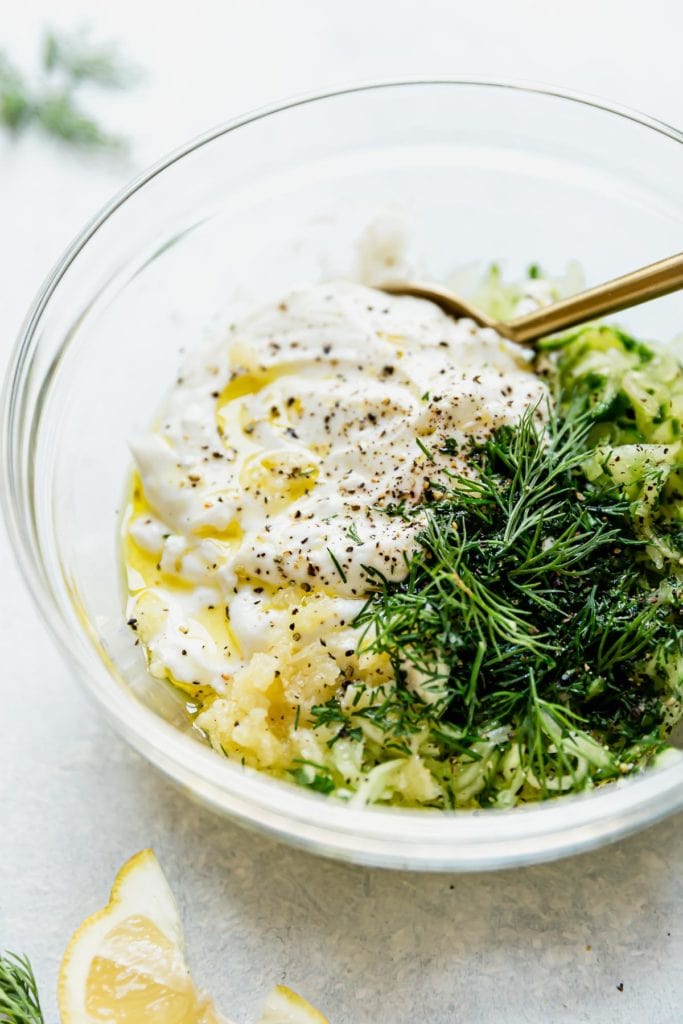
(546, 944)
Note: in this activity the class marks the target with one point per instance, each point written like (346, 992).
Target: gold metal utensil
(650, 282)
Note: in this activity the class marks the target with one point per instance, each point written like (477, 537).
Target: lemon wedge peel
(125, 963)
(283, 1006)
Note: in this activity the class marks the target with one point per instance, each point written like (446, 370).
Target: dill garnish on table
(51, 99)
(19, 1001)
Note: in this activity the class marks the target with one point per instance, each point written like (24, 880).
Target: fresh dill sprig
(529, 607)
(19, 1001)
(354, 535)
(396, 713)
(312, 776)
(424, 449)
(336, 563)
(51, 102)
(523, 572)
(86, 61)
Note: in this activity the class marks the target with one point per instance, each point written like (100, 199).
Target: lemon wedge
(286, 1007)
(125, 964)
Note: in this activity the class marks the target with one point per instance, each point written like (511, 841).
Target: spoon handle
(641, 285)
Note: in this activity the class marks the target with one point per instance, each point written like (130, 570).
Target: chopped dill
(312, 776)
(532, 639)
(354, 535)
(424, 449)
(336, 564)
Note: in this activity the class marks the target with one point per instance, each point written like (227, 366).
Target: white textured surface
(367, 946)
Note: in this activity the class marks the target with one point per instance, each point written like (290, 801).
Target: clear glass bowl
(485, 171)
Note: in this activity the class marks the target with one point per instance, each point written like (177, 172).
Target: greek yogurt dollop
(259, 495)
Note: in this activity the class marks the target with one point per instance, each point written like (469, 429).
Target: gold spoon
(650, 282)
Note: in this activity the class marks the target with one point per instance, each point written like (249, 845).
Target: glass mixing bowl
(482, 171)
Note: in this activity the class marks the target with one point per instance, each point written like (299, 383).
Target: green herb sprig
(530, 605)
(51, 102)
(312, 776)
(19, 1001)
(525, 573)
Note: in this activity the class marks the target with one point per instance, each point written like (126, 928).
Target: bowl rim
(389, 837)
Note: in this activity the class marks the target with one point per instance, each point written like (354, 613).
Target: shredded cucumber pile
(537, 641)
(635, 394)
